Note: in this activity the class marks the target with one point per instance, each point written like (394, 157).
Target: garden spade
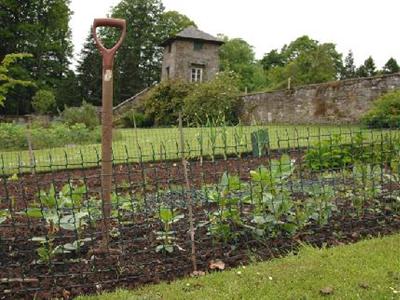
(107, 117)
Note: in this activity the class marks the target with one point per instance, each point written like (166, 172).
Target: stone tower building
(191, 55)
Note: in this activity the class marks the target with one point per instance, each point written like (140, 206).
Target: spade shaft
(106, 116)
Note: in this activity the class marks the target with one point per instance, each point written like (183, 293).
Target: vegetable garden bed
(243, 209)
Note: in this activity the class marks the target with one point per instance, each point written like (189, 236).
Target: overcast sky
(367, 27)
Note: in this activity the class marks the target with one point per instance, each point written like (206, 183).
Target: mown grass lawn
(367, 270)
(163, 143)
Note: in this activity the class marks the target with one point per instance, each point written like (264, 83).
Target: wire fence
(136, 145)
(187, 201)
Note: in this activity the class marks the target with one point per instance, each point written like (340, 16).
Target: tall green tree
(89, 72)
(273, 59)
(349, 68)
(305, 61)
(41, 28)
(6, 81)
(238, 56)
(367, 69)
(138, 62)
(172, 22)
(68, 91)
(298, 47)
(391, 66)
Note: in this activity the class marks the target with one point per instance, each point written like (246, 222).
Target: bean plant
(62, 210)
(224, 137)
(270, 197)
(167, 216)
(239, 138)
(212, 136)
(367, 185)
(320, 203)
(48, 251)
(225, 220)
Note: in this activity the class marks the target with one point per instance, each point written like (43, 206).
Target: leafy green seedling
(4, 215)
(167, 216)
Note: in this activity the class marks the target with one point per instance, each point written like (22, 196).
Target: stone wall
(333, 102)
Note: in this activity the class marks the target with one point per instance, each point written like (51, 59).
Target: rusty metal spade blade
(107, 117)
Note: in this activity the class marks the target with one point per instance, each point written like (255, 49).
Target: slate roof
(192, 33)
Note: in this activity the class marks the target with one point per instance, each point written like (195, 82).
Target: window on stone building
(169, 48)
(197, 74)
(167, 72)
(197, 45)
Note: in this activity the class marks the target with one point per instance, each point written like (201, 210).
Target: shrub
(44, 101)
(385, 112)
(13, 136)
(329, 154)
(165, 101)
(142, 120)
(84, 114)
(215, 99)
(334, 154)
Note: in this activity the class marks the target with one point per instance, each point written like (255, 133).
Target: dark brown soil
(138, 263)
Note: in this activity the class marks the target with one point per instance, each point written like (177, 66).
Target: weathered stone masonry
(333, 102)
(191, 55)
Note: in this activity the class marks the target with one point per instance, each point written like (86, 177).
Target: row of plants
(335, 153)
(71, 209)
(75, 125)
(214, 140)
(18, 136)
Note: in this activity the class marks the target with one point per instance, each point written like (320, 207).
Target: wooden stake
(188, 196)
(29, 139)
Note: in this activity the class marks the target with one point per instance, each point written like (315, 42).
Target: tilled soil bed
(133, 261)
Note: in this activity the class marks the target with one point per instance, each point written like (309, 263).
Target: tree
(319, 65)
(172, 22)
(272, 59)
(41, 28)
(367, 69)
(44, 101)
(299, 46)
(238, 56)
(370, 67)
(89, 72)
(6, 81)
(391, 66)
(138, 62)
(140, 57)
(304, 61)
(68, 91)
(349, 68)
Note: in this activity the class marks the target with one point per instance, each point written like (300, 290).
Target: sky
(367, 27)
